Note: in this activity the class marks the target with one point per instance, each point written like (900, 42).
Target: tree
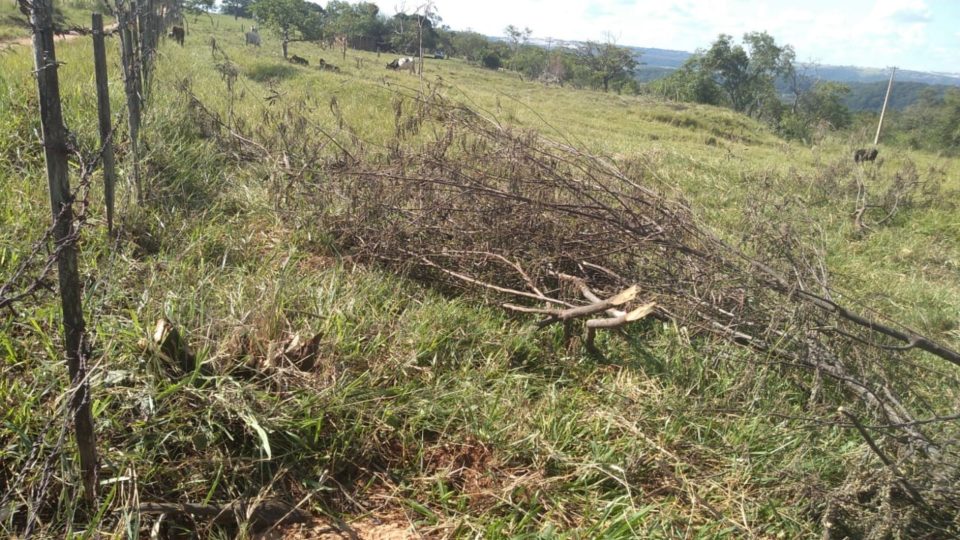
(294, 20)
(821, 104)
(517, 37)
(468, 45)
(608, 62)
(237, 8)
(197, 7)
(361, 23)
(529, 60)
(747, 76)
(409, 31)
(689, 84)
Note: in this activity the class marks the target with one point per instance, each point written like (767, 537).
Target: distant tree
(294, 20)
(821, 104)
(408, 31)
(491, 60)
(529, 60)
(361, 23)
(197, 7)
(689, 83)
(495, 54)
(556, 68)
(517, 37)
(237, 8)
(747, 76)
(608, 62)
(468, 45)
(931, 123)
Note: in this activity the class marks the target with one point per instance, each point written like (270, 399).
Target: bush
(491, 60)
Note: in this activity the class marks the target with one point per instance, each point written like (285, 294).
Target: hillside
(69, 14)
(387, 400)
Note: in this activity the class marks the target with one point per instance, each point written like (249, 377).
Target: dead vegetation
(542, 227)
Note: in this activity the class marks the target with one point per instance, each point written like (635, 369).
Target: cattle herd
(252, 37)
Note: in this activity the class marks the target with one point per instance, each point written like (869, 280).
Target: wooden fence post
(103, 112)
(130, 77)
(55, 150)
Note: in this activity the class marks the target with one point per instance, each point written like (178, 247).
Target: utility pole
(884, 110)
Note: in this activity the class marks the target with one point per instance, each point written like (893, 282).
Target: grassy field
(425, 411)
(69, 13)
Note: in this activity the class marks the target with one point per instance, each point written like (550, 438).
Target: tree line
(601, 65)
(760, 78)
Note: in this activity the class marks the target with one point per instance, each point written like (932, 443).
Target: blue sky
(910, 34)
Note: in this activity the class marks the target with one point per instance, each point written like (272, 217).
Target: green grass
(69, 13)
(449, 413)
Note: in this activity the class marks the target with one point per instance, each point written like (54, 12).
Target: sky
(921, 35)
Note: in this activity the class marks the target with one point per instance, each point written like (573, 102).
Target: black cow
(324, 66)
(299, 61)
(863, 154)
(177, 34)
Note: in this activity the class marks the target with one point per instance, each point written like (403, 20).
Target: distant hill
(869, 96)
(661, 61)
(867, 85)
(852, 74)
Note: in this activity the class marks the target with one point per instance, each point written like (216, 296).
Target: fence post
(103, 112)
(55, 153)
(130, 77)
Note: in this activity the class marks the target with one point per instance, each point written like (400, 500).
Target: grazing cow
(406, 63)
(863, 154)
(324, 66)
(177, 33)
(253, 38)
(299, 60)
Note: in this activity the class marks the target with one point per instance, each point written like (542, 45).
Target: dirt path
(59, 38)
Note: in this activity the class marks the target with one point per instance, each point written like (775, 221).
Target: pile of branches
(541, 226)
(544, 227)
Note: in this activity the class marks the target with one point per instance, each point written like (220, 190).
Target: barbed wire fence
(140, 25)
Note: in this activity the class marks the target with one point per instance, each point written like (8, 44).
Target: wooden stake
(130, 78)
(883, 111)
(55, 150)
(103, 112)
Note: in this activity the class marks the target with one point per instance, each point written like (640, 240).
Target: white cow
(253, 38)
(407, 63)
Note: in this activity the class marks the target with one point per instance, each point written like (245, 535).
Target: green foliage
(237, 8)
(688, 84)
(292, 19)
(516, 36)
(491, 60)
(529, 60)
(66, 14)
(746, 76)
(869, 96)
(468, 45)
(932, 123)
(198, 6)
(608, 62)
(407, 32)
(362, 24)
